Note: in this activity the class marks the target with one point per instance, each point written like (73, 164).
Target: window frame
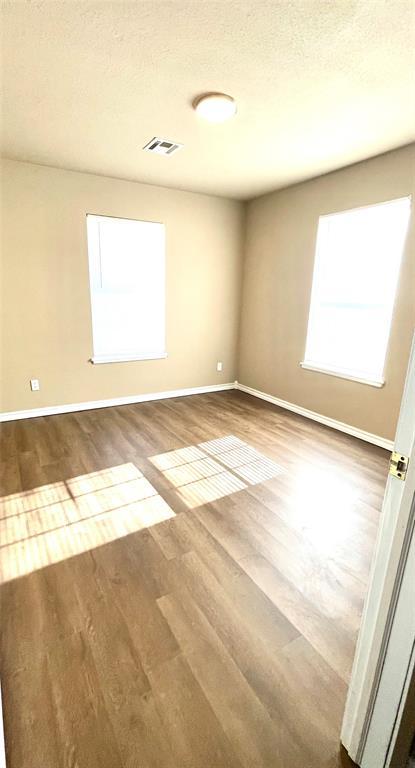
(342, 374)
(100, 359)
(338, 371)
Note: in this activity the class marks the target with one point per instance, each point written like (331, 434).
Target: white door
(384, 660)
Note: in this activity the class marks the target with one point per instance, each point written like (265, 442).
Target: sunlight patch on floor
(197, 470)
(60, 520)
(320, 503)
(210, 489)
(323, 505)
(209, 471)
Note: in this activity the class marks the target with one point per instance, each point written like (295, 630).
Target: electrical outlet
(219, 366)
(34, 385)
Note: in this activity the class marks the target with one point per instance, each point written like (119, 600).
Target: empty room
(207, 384)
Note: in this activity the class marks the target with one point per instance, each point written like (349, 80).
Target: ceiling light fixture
(215, 107)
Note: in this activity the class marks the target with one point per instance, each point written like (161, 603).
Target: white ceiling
(319, 83)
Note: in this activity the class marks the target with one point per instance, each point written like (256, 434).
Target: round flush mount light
(215, 107)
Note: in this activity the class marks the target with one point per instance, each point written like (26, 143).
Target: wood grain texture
(221, 636)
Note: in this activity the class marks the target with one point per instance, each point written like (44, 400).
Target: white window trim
(99, 359)
(341, 374)
(122, 358)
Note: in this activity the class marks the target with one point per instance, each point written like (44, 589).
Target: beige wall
(46, 323)
(281, 232)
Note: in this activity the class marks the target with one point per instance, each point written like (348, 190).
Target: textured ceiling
(319, 84)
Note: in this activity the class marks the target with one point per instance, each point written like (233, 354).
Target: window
(356, 271)
(126, 269)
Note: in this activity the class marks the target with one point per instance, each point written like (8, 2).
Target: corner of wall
(244, 231)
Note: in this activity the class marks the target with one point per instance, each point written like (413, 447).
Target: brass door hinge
(398, 465)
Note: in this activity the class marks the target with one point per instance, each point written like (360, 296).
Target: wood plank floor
(182, 585)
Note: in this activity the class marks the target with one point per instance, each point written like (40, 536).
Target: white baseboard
(333, 423)
(51, 410)
(92, 404)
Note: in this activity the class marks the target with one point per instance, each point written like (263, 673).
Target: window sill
(343, 375)
(99, 359)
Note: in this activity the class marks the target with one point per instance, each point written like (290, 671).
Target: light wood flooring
(183, 582)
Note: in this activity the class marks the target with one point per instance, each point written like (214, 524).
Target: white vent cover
(162, 146)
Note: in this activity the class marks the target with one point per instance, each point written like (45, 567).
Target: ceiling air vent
(162, 146)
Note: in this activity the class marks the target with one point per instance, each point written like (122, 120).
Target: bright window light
(127, 276)
(356, 271)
